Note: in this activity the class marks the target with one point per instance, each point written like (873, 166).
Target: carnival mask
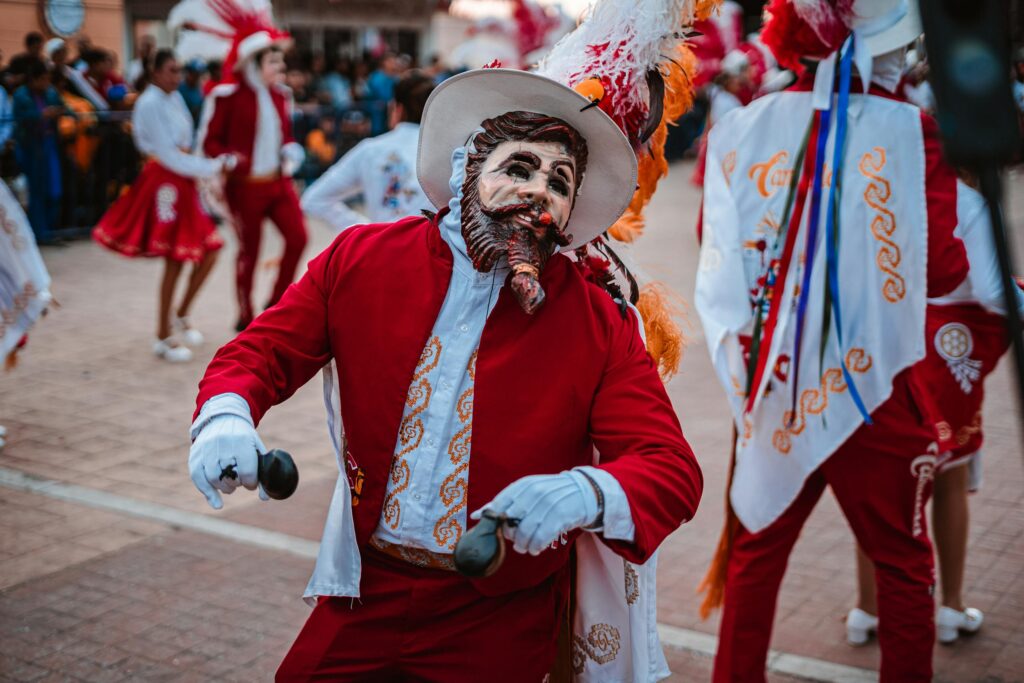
(520, 188)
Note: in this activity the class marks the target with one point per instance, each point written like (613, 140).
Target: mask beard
(490, 233)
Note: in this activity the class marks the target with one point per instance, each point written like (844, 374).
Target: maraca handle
(278, 474)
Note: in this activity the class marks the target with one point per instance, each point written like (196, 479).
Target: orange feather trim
(652, 164)
(713, 583)
(665, 339)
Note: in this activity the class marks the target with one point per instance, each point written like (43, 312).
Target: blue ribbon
(832, 230)
(814, 218)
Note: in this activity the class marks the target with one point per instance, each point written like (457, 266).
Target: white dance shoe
(186, 333)
(950, 623)
(860, 626)
(163, 348)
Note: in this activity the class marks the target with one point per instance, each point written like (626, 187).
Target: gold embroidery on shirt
(632, 584)
(454, 488)
(410, 432)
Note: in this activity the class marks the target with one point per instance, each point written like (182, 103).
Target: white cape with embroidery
(615, 626)
(882, 279)
(24, 282)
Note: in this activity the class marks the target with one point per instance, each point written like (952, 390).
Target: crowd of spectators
(65, 143)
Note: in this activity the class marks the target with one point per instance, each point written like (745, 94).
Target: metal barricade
(98, 158)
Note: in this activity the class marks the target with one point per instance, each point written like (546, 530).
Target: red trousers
(416, 624)
(251, 202)
(882, 478)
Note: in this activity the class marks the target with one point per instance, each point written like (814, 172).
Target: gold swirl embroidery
(945, 432)
(964, 434)
(815, 401)
(883, 225)
(410, 432)
(728, 166)
(632, 584)
(601, 645)
(454, 489)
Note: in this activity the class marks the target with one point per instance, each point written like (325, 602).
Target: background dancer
(161, 215)
(965, 338)
(250, 117)
(381, 169)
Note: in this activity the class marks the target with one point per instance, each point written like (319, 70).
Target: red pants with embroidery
(882, 478)
(252, 202)
(415, 624)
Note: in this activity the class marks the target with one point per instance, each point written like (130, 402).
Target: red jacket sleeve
(215, 139)
(281, 349)
(635, 429)
(947, 258)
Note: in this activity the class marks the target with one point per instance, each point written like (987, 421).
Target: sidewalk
(115, 574)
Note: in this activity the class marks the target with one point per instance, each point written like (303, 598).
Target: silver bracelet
(599, 521)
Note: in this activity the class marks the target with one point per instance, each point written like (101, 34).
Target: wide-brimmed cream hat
(458, 106)
(904, 31)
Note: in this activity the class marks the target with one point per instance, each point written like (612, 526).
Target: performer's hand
(547, 506)
(228, 162)
(292, 156)
(225, 441)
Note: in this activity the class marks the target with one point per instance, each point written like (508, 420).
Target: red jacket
(549, 388)
(229, 123)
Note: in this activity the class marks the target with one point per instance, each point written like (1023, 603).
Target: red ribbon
(779, 286)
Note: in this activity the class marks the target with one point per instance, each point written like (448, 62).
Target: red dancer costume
(966, 337)
(802, 389)
(513, 386)
(161, 215)
(250, 116)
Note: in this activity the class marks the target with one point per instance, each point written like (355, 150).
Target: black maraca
(481, 550)
(276, 471)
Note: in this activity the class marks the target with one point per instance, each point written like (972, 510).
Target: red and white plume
(214, 29)
(806, 28)
(622, 44)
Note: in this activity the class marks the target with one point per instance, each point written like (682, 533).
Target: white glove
(228, 162)
(225, 440)
(547, 506)
(292, 156)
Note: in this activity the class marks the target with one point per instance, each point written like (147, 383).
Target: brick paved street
(92, 591)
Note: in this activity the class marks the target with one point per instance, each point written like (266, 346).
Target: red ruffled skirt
(159, 216)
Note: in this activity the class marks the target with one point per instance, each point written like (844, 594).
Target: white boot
(950, 623)
(170, 351)
(187, 334)
(860, 626)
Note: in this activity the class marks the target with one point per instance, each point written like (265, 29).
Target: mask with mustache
(522, 173)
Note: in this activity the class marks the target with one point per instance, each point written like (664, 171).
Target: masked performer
(814, 311)
(508, 371)
(249, 116)
(161, 215)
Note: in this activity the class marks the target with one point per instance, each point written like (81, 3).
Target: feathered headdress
(796, 29)
(630, 59)
(232, 30)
